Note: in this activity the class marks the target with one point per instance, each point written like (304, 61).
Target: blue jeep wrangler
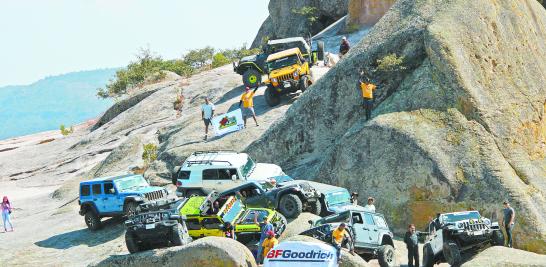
(115, 196)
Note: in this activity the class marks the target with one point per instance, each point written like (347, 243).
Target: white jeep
(207, 171)
(451, 235)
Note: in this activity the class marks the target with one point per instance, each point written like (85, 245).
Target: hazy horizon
(57, 37)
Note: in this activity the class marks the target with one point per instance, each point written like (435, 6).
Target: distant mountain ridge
(46, 104)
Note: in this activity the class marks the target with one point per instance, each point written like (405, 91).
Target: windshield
(454, 217)
(282, 62)
(282, 179)
(266, 186)
(132, 182)
(342, 217)
(248, 167)
(340, 197)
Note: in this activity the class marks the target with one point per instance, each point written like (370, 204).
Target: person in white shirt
(370, 207)
(207, 111)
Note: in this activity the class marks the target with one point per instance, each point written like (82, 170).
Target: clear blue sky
(48, 37)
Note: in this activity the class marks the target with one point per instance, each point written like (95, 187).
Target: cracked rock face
(461, 127)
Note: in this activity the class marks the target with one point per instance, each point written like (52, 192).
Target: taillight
(178, 183)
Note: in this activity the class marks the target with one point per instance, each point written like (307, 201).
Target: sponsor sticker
(302, 254)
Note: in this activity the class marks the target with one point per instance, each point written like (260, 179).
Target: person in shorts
(207, 111)
(248, 104)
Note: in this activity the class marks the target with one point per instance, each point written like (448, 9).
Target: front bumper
(153, 230)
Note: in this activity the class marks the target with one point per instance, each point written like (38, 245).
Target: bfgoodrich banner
(227, 123)
(301, 254)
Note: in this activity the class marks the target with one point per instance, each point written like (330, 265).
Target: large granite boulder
(298, 225)
(207, 251)
(283, 22)
(459, 125)
(506, 257)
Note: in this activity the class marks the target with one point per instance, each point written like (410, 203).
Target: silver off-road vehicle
(451, 235)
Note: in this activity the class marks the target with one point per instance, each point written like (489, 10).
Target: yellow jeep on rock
(288, 72)
(206, 216)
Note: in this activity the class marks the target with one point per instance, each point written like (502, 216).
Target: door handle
(375, 230)
(365, 228)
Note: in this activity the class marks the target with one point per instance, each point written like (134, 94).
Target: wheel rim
(89, 221)
(390, 256)
(289, 206)
(252, 78)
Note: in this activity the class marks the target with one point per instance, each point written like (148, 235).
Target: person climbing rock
(248, 104)
(6, 213)
(412, 244)
(207, 111)
(340, 236)
(367, 88)
(269, 243)
(344, 46)
(508, 222)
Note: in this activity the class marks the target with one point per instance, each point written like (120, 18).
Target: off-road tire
(320, 50)
(177, 235)
(428, 256)
(132, 243)
(452, 254)
(305, 82)
(315, 207)
(174, 176)
(92, 220)
(272, 97)
(252, 78)
(130, 208)
(194, 193)
(290, 206)
(497, 238)
(385, 256)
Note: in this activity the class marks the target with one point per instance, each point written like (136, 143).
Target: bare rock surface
(298, 225)
(207, 251)
(461, 126)
(507, 257)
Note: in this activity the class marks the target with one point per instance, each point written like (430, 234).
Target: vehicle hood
(264, 171)
(248, 59)
(142, 190)
(325, 188)
(283, 71)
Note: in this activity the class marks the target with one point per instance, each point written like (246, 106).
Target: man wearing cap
(248, 104)
(269, 243)
(508, 222)
(265, 227)
(370, 206)
(338, 236)
(344, 46)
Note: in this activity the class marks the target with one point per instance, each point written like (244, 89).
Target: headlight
(488, 222)
(296, 74)
(274, 80)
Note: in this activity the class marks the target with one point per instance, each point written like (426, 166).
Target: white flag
(227, 123)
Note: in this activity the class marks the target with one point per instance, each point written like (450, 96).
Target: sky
(42, 38)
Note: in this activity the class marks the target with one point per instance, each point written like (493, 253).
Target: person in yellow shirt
(248, 104)
(269, 243)
(339, 237)
(367, 88)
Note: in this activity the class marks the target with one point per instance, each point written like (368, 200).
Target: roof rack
(212, 151)
(208, 161)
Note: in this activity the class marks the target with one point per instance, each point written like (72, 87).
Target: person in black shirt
(412, 243)
(344, 46)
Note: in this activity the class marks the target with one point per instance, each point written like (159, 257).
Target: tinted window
(369, 219)
(193, 224)
(212, 223)
(210, 174)
(86, 190)
(357, 218)
(96, 189)
(224, 174)
(184, 175)
(109, 188)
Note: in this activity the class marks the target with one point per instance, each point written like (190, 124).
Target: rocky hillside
(460, 125)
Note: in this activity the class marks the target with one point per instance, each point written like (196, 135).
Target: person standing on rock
(247, 100)
(207, 111)
(6, 213)
(508, 222)
(265, 227)
(367, 88)
(344, 46)
(412, 243)
(370, 206)
(269, 243)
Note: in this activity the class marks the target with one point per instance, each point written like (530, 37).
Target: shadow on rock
(111, 230)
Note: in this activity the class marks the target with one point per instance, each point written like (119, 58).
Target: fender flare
(88, 206)
(387, 240)
(137, 199)
(248, 65)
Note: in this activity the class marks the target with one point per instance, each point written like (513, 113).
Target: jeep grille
(475, 226)
(285, 77)
(154, 195)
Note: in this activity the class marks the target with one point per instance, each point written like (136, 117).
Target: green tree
(149, 154)
(199, 58)
(391, 63)
(310, 13)
(65, 131)
(219, 59)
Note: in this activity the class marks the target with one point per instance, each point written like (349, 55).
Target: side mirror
(112, 191)
(234, 177)
(257, 192)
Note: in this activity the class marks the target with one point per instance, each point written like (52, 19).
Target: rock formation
(207, 251)
(459, 125)
(367, 12)
(506, 257)
(283, 22)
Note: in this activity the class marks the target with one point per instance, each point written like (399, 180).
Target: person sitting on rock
(269, 243)
(367, 88)
(344, 46)
(340, 237)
